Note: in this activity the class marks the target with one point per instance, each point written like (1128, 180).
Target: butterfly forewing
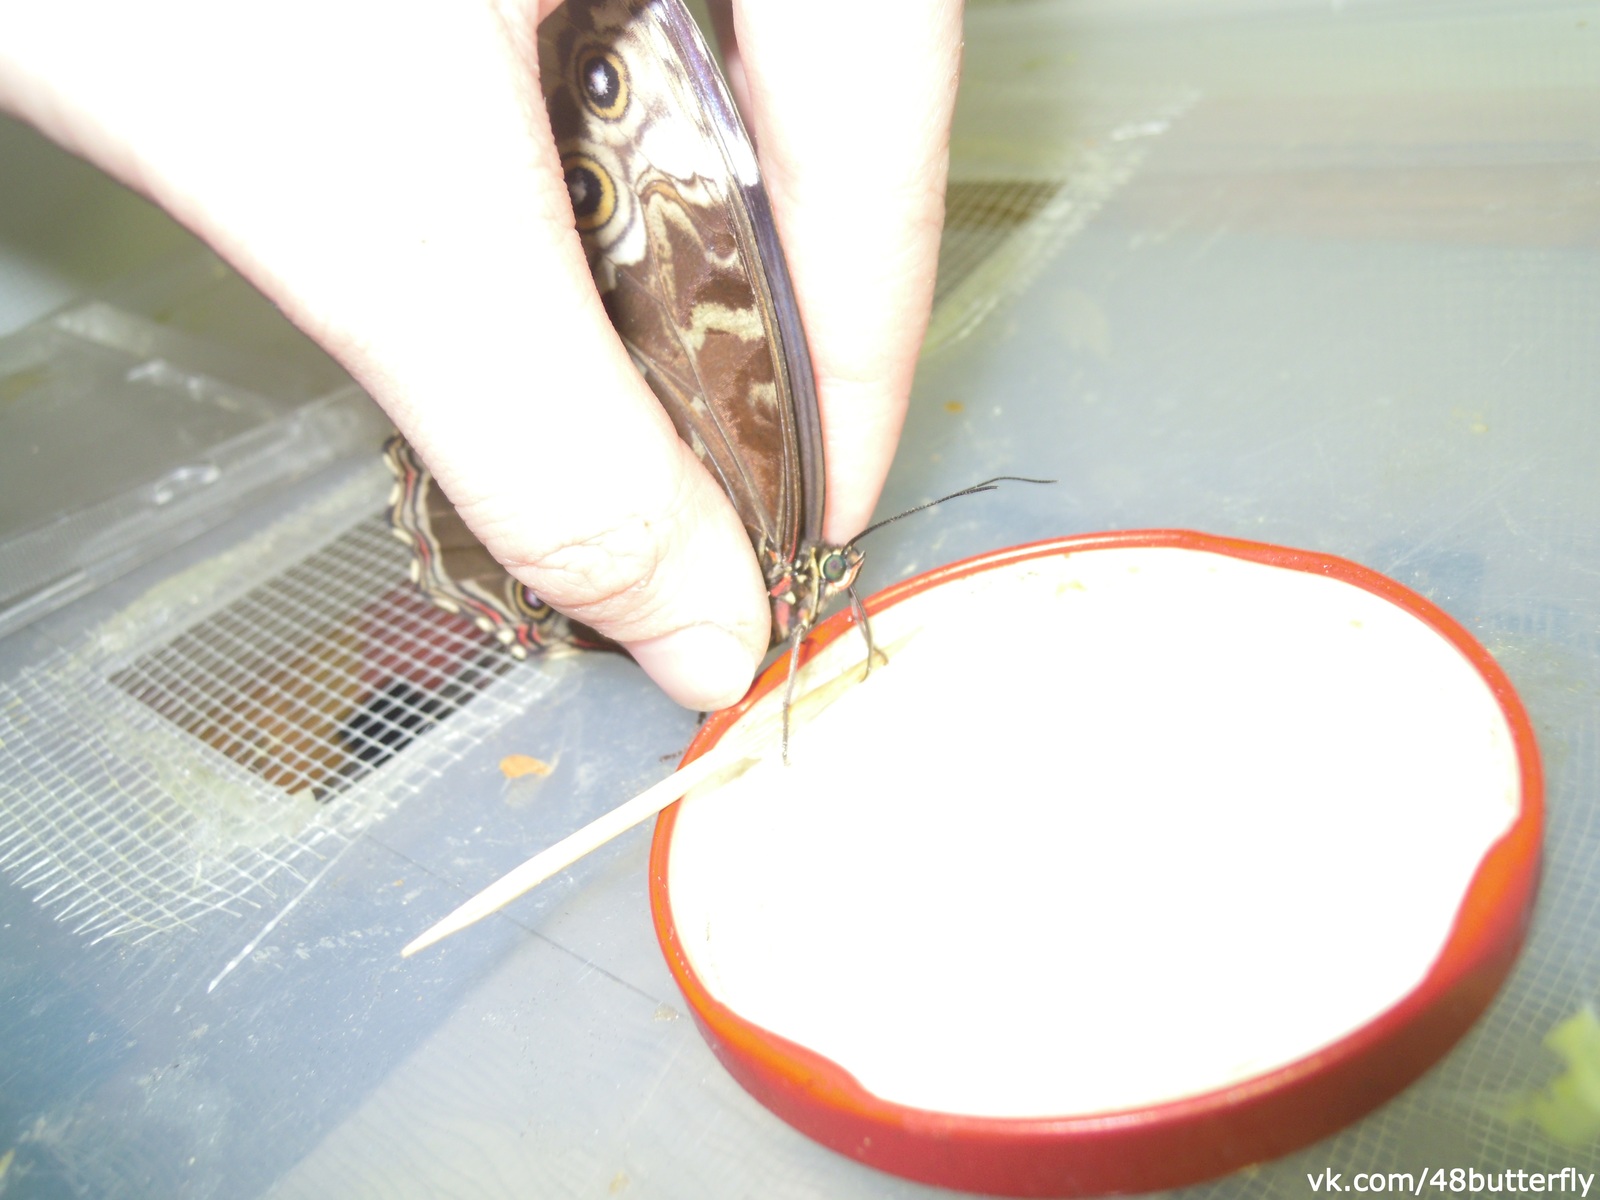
(681, 240)
(684, 252)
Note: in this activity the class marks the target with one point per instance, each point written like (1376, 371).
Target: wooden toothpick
(741, 746)
(574, 846)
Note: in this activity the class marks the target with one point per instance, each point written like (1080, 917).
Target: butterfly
(681, 240)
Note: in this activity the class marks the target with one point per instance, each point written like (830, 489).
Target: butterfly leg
(795, 639)
(865, 626)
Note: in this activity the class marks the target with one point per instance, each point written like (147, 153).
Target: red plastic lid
(1172, 1142)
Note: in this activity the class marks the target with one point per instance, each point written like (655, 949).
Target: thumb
(424, 236)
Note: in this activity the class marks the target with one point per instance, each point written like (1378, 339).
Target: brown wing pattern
(655, 180)
(452, 566)
(683, 248)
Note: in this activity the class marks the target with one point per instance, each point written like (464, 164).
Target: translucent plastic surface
(1320, 275)
(121, 436)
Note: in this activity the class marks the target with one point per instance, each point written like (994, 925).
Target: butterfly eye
(603, 81)
(594, 196)
(835, 567)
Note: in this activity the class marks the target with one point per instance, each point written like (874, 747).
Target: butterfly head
(805, 587)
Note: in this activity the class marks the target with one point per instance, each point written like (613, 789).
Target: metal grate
(979, 215)
(1013, 201)
(216, 745)
(323, 674)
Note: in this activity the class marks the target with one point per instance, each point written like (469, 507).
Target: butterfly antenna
(860, 609)
(988, 485)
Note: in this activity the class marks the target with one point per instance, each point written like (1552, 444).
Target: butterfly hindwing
(452, 566)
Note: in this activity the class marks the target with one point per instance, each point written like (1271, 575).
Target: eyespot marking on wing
(602, 82)
(592, 190)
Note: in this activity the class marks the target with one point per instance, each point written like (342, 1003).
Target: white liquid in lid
(1112, 828)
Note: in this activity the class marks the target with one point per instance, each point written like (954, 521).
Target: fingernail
(701, 666)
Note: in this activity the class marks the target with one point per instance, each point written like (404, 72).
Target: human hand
(386, 175)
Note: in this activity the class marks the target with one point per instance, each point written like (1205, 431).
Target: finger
(393, 185)
(726, 36)
(855, 161)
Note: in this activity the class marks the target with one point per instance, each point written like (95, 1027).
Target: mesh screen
(218, 762)
(979, 215)
(324, 673)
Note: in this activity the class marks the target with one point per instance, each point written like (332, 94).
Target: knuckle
(600, 577)
(613, 574)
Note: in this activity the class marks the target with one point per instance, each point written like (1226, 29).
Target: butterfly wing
(681, 240)
(685, 252)
(456, 571)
